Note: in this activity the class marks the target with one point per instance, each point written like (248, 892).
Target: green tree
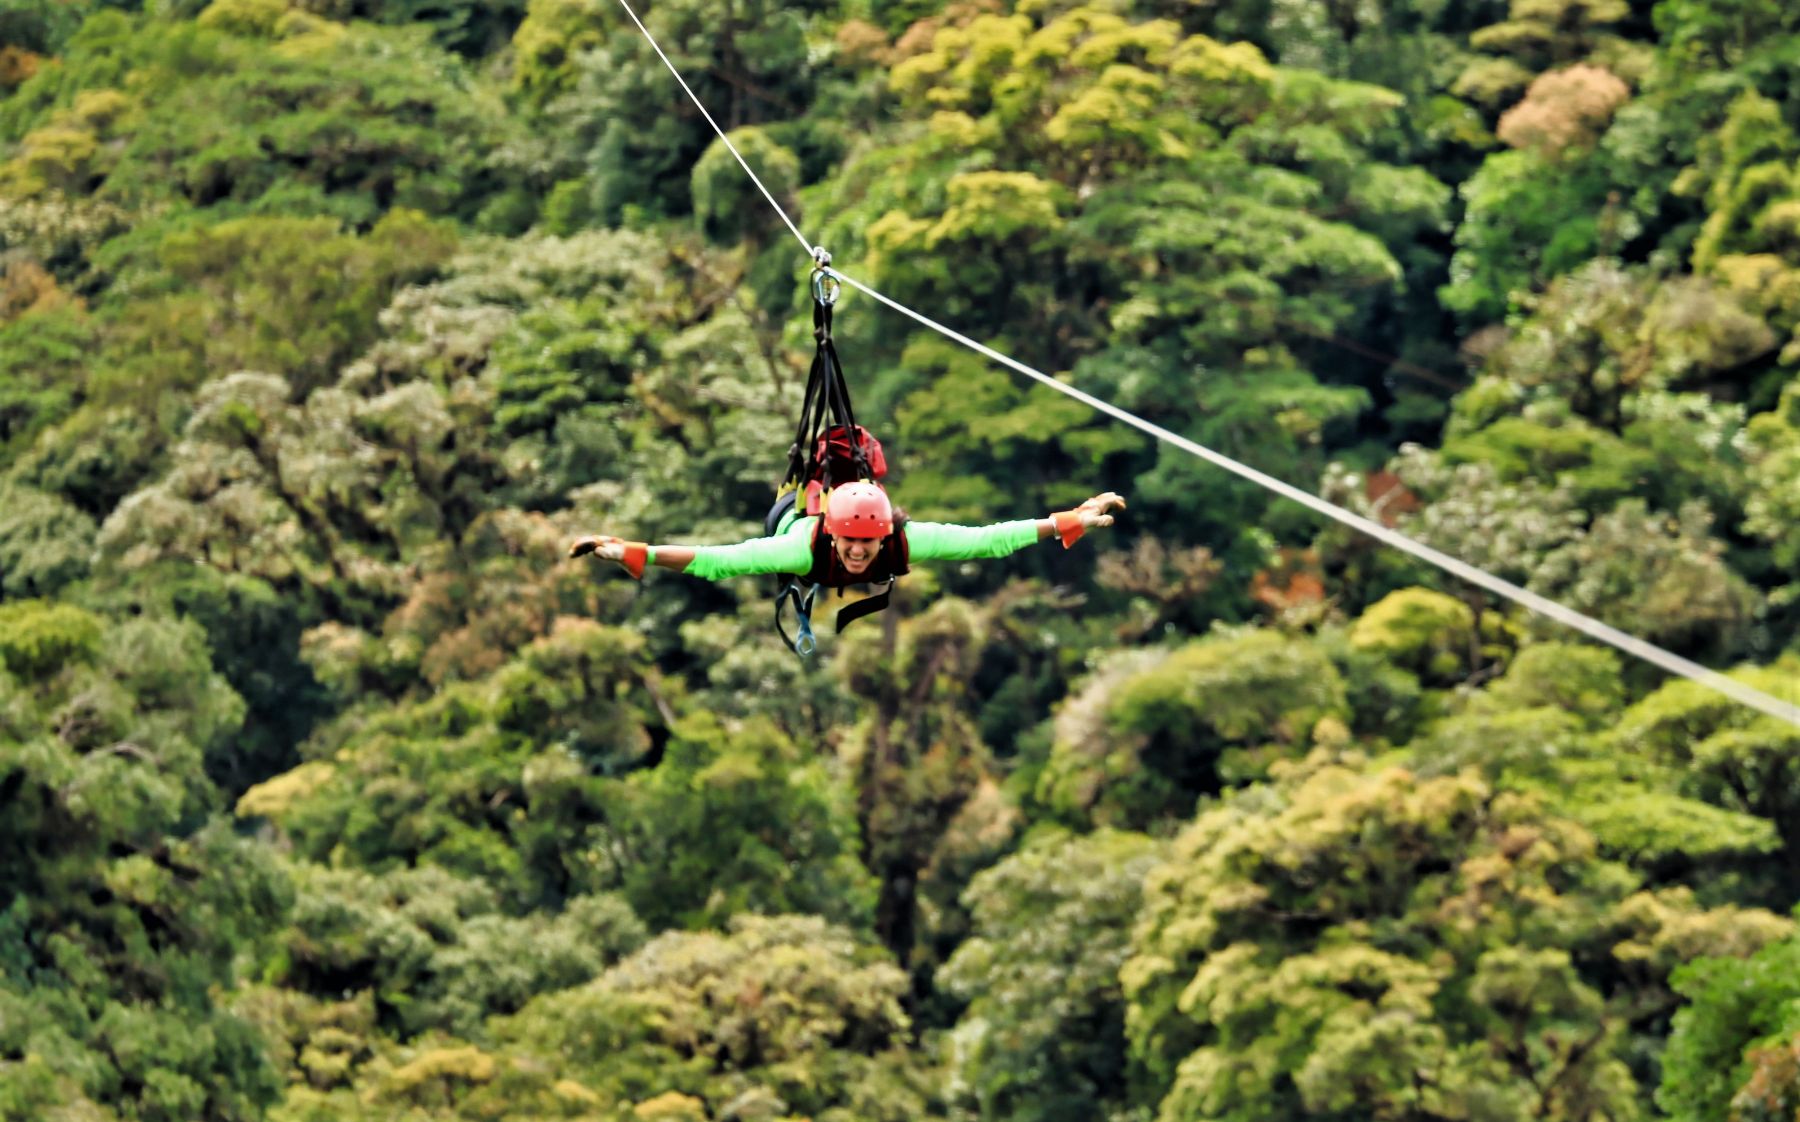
(776, 1017)
(1153, 731)
(124, 905)
(39, 26)
(726, 204)
(435, 952)
(1604, 336)
(296, 297)
(343, 121)
(1422, 631)
(1663, 579)
(733, 821)
(1727, 755)
(1467, 510)
(1661, 576)
(1539, 34)
(1420, 947)
(41, 369)
(639, 366)
(1043, 1037)
(632, 130)
(549, 42)
(1733, 1007)
(328, 499)
(44, 542)
(1527, 220)
(1704, 34)
(496, 778)
(1541, 728)
(920, 762)
(1774, 469)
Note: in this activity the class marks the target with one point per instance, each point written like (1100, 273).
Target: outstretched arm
(633, 555)
(938, 541)
(786, 553)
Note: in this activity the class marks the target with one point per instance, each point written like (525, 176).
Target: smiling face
(856, 554)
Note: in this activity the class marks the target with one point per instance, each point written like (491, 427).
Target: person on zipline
(858, 539)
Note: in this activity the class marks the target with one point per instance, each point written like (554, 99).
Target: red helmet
(859, 510)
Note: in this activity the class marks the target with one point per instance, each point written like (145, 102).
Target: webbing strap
(825, 405)
(867, 606)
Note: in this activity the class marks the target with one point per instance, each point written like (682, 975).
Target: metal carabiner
(825, 285)
(804, 643)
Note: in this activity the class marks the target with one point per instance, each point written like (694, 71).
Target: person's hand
(632, 555)
(603, 546)
(1069, 525)
(1097, 510)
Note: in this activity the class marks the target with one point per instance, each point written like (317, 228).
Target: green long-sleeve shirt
(790, 551)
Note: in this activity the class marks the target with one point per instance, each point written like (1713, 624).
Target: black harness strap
(867, 606)
(789, 590)
(825, 407)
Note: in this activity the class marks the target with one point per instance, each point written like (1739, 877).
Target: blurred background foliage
(332, 792)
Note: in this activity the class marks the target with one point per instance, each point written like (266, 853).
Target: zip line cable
(1587, 625)
(1395, 361)
(1606, 633)
(651, 39)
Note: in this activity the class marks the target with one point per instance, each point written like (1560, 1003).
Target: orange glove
(1068, 526)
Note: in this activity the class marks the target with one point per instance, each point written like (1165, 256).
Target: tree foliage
(1150, 734)
(1280, 969)
(126, 900)
(326, 324)
(1736, 1006)
(1043, 1037)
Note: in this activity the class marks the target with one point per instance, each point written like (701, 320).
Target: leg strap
(867, 606)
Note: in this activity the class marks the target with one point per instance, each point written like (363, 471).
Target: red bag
(835, 462)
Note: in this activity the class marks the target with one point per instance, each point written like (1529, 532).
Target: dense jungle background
(330, 791)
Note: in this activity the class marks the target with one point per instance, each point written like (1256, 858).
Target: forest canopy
(331, 789)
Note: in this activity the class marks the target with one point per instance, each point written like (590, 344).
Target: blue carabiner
(804, 643)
